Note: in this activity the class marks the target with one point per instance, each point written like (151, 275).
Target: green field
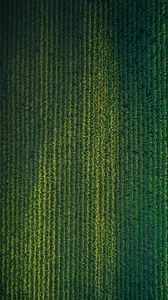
(83, 151)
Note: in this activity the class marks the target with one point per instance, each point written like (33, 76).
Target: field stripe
(69, 145)
(130, 148)
(40, 159)
(126, 119)
(18, 161)
(125, 150)
(60, 93)
(117, 186)
(79, 169)
(24, 157)
(65, 159)
(4, 153)
(105, 239)
(102, 98)
(83, 153)
(154, 157)
(37, 163)
(27, 109)
(73, 165)
(54, 95)
(159, 140)
(121, 153)
(87, 29)
(13, 190)
(85, 166)
(51, 110)
(149, 162)
(140, 154)
(9, 143)
(145, 158)
(45, 102)
(111, 164)
(95, 179)
(91, 262)
(64, 156)
(135, 172)
(30, 147)
(164, 148)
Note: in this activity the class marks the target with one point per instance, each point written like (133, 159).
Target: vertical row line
(13, 128)
(121, 149)
(18, 161)
(59, 168)
(73, 160)
(86, 129)
(40, 120)
(35, 209)
(117, 183)
(125, 149)
(140, 65)
(27, 71)
(8, 155)
(83, 99)
(135, 165)
(44, 144)
(88, 29)
(154, 153)
(50, 234)
(130, 147)
(53, 75)
(30, 124)
(149, 154)
(79, 203)
(69, 149)
(158, 14)
(164, 148)
(4, 148)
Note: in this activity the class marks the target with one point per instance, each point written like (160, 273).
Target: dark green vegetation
(83, 120)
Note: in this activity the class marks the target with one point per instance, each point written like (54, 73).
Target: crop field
(83, 149)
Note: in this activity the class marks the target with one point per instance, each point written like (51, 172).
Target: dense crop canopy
(83, 124)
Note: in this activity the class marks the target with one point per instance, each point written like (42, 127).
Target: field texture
(83, 129)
